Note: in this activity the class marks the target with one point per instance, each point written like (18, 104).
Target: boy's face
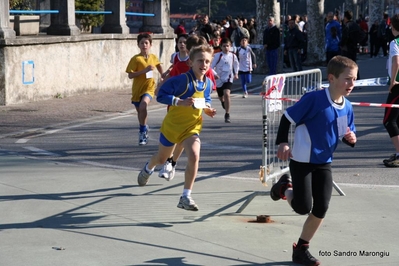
(181, 44)
(343, 85)
(216, 41)
(244, 42)
(201, 63)
(226, 47)
(144, 45)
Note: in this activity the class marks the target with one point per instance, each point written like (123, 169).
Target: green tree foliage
(22, 4)
(89, 20)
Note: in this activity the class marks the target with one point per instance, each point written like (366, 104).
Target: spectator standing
(331, 23)
(349, 41)
(180, 29)
(252, 31)
(271, 43)
(294, 43)
(365, 27)
(374, 39)
(332, 44)
(205, 28)
(391, 116)
(237, 33)
(382, 36)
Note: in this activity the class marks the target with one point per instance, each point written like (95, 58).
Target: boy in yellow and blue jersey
(188, 95)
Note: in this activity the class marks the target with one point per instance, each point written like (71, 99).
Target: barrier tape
(385, 105)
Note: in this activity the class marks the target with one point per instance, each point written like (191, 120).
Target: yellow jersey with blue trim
(181, 122)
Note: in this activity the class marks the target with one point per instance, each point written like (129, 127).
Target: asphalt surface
(56, 212)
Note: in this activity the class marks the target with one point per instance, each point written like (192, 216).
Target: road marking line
(41, 152)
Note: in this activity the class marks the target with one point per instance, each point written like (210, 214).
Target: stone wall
(38, 68)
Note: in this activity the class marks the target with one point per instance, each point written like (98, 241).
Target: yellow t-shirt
(182, 122)
(141, 84)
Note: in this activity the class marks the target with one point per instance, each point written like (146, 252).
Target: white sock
(148, 170)
(186, 192)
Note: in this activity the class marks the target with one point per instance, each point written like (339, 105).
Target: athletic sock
(143, 128)
(173, 163)
(186, 192)
(148, 170)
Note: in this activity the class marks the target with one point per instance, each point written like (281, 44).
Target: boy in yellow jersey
(188, 95)
(140, 68)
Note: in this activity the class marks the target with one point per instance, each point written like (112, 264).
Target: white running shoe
(167, 171)
(187, 203)
(142, 178)
(143, 138)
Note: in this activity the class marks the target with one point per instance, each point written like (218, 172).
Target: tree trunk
(315, 30)
(264, 9)
(352, 6)
(376, 8)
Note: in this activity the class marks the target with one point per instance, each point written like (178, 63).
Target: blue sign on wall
(28, 74)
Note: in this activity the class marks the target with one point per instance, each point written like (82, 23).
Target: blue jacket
(331, 24)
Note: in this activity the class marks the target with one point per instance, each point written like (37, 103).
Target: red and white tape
(385, 105)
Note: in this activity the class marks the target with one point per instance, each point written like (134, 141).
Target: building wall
(66, 66)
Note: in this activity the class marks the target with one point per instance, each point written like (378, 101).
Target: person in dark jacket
(271, 43)
(348, 43)
(294, 43)
(373, 38)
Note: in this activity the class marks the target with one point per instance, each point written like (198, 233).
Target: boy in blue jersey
(188, 95)
(322, 118)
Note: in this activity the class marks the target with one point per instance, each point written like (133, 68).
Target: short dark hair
(395, 22)
(144, 35)
(348, 14)
(225, 40)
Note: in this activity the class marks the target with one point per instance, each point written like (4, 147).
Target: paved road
(68, 171)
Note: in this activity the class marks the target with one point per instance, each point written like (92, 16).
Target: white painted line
(41, 152)
(367, 185)
(208, 146)
(103, 165)
(22, 141)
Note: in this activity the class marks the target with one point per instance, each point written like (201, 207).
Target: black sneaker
(278, 189)
(227, 118)
(393, 161)
(301, 255)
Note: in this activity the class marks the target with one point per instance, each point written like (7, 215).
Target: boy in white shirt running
(225, 63)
